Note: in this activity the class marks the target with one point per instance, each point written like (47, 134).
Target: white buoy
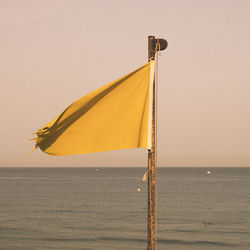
(208, 172)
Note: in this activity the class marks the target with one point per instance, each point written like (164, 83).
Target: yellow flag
(115, 116)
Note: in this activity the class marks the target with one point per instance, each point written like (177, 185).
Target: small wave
(66, 178)
(82, 239)
(24, 178)
(121, 239)
(184, 231)
(244, 178)
(232, 232)
(196, 243)
(160, 241)
(58, 211)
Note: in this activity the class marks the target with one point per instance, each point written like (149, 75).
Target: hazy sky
(53, 52)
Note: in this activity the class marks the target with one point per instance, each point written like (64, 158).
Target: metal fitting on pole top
(152, 41)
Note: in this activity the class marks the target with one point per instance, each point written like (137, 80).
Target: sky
(53, 52)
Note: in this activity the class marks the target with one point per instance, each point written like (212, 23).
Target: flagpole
(151, 161)
(153, 46)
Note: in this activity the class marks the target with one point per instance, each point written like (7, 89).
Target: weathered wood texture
(152, 240)
(151, 162)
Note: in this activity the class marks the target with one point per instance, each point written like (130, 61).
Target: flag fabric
(115, 116)
(144, 178)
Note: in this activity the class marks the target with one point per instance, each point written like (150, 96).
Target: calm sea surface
(81, 208)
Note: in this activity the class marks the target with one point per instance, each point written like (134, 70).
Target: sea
(106, 208)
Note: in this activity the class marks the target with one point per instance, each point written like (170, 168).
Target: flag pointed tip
(144, 178)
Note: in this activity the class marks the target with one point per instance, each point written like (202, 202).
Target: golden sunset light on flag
(115, 116)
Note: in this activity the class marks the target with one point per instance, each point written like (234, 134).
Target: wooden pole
(151, 162)
(152, 240)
